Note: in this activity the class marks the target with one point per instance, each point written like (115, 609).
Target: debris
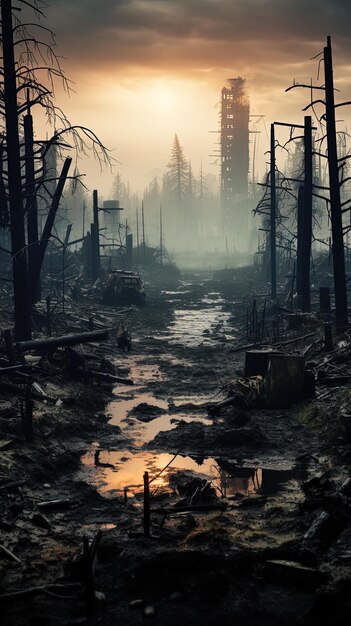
(150, 612)
(136, 604)
(9, 554)
(57, 504)
(40, 520)
(287, 572)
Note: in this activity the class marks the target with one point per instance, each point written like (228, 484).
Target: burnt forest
(175, 338)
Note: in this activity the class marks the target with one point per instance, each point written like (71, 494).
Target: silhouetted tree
(28, 50)
(177, 173)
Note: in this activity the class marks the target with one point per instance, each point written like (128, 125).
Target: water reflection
(117, 470)
(143, 426)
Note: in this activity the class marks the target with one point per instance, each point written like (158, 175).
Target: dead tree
(306, 243)
(334, 167)
(273, 217)
(14, 181)
(335, 203)
(31, 206)
(24, 56)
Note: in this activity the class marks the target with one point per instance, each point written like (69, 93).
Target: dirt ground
(250, 520)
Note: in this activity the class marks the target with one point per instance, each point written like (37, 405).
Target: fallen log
(56, 504)
(52, 343)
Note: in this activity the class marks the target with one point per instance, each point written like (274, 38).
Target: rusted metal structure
(234, 143)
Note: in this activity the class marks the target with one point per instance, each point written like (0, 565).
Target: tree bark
(39, 258)
(31, 200)
(273, 219)
(335, 205)
(307, 219)
(18, 244)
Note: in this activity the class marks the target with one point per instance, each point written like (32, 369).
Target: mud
(247, 562)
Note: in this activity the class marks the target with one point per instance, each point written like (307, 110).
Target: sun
(162, 95)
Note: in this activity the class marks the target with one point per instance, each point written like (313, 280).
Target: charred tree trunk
(19, 261)
(335, 204)
(48, 228)
(273, 219)
(143, 228)
(95, 238)
(307, 219)
(300, 227)
(31, 200)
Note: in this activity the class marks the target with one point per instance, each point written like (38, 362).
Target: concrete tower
(235, 112)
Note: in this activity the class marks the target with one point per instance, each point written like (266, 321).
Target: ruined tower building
(234, 146)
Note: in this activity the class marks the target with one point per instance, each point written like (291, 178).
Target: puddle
(144, 431)
(192, 327)
(127, 470)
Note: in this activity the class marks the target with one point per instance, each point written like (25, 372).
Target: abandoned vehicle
(122, 286)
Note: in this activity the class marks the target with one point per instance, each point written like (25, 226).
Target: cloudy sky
(145, 69)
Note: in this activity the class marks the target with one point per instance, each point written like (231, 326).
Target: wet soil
(242, 560)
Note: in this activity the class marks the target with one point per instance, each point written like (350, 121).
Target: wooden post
(129, 251)
(143, 230)
(48, 314)
(88, 256)
(18, 242)
(83, 226)
(137, 236)
(27, 415)
(146, 505)
(300, 227)
(64, 248)
(161, 237)
(95, 238)
(10, 349)
(324, 301)
(273, 219)
(341, 313)
(328, 337)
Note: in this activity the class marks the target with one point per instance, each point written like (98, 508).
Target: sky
(143, 70)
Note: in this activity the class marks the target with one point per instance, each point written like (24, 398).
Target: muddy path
(248, 558)
(178, 365)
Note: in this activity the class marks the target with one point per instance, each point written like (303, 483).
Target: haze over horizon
(144, 70)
